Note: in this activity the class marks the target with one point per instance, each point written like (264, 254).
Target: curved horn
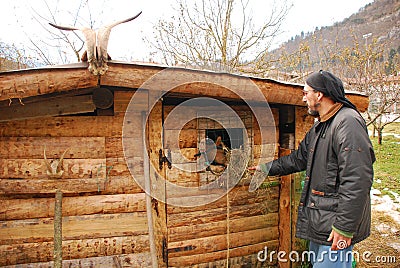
(60, 163)
(46, 161)
(65, 28)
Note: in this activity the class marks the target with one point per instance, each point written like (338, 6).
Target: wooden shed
(67, 135)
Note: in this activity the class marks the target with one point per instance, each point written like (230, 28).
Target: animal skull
(54, 166)
(96, 44)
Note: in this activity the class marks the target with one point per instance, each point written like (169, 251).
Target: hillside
(378, 21)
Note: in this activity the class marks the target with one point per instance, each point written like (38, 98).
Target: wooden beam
(26, 83)
(55, 107)
(219, 242)
(33, 147)
(76, 251)
(31, 208)
(74, 227)
(240, 252)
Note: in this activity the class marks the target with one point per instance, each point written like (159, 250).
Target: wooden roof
(40, 81)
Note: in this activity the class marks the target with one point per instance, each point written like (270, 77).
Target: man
(334, 210)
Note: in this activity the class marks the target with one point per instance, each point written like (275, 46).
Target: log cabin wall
(104, 211)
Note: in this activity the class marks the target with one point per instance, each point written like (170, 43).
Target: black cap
(330, 85)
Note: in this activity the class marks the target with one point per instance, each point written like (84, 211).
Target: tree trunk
(380, 130)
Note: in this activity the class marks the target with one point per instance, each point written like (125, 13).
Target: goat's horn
(45, 159)
(60, 163)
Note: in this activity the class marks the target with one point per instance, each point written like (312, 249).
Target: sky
(18, 19)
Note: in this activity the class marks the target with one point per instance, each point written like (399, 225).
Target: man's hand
(339, 241)
(256, 168)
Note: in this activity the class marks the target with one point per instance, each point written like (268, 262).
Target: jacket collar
(331, 112)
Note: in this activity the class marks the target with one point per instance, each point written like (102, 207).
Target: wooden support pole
(285, 224)
(146, 163)
(58, 230)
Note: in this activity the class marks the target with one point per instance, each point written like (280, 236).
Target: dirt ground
(382, 248)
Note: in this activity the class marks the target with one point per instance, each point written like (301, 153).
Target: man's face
(310, 96)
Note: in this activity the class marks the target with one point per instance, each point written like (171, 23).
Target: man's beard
(312, 110)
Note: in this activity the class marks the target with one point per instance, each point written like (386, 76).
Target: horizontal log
(75, 250)
(185, 138)
(36, 168)
(28, 83)
(45, 186)
(66, 126)
(185, 82)
(188, 232)
(237, 255)
(238, 196)
(124, 260)
(33, 147)
(183, 177)
(31, 208)
(74, 227)
(219, 214)
(220, 242)
(47, 108)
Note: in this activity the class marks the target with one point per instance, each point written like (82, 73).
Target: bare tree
(65, 43)
(13, 58)
(206, 33)
(372, 69)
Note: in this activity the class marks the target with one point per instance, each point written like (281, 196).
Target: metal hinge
(164, 159)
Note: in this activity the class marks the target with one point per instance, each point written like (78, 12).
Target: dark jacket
(338, 156)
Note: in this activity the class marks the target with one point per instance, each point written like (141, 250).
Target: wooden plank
(42, 81)
(212, 258)
(31, 208)
(219, 214)
(183, 177)
(75, 250)
(74, 227)
(285, 206)
(109, 185)
(33, 147)
(185, 138)
(48, 108)
(194, 231)
(238, 196)
(124, 260)
(66, 126)
(27, 83)
(36, 168)
(15, 186)
(158, 194)
(219, 242)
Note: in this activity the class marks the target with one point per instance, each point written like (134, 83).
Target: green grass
(387, 165)
(392, 128)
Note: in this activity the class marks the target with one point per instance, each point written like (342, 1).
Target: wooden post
(58, 230)
(146, 167)
(285, 230)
